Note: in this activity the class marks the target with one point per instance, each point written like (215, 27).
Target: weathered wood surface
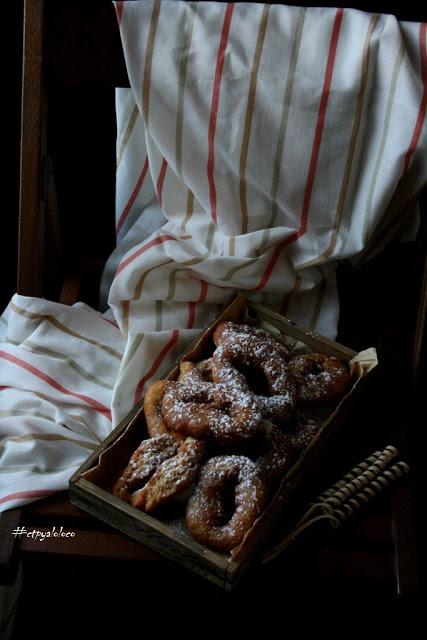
(31, 206)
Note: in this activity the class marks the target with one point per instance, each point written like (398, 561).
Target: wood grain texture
(31, 210)
(153, 533)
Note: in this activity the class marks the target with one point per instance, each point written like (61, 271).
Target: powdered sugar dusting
(206, 511)
(250, 385)
(145, 460)
(175, 474)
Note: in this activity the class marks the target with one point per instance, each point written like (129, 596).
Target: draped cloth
(257, 148)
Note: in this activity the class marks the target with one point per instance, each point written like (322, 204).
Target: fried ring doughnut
(152, 408)
(320, 378)
(250, 351)
(172, 477)
(143, 463)
(159, 469)
(185, 367)
(207, 518)
(305, 431)
(191, 372)
(227, 329)
(279, 455)
(210, 411)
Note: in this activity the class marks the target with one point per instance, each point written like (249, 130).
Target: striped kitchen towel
(258, 146)
(266, 144)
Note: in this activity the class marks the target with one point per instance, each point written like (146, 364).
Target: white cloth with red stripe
(257, 147)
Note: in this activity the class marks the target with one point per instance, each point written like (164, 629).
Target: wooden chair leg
(9, 545)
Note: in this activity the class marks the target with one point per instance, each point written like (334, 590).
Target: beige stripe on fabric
(135, 343)
(140, 284)
(35, 348)
(264, 242)
(183, 56)
(192, 261)
(172, 283)
(125, 317)
(42, 396)
(231, 272)
(210, 235)
(318, 304)
(127, 134)
(62, 327)
(173, 274)
(287, 99)
(33, 470)
(27, 467)
(232, 246)
(149, 61)
(190, 210)
(249, 115)
(284, 119)
(29, 437)
(289, 296)
(249, 261)
(47, 398)
(351, 148)
(185, 263)
(386, 127)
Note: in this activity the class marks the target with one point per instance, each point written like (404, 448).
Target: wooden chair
(72, 61)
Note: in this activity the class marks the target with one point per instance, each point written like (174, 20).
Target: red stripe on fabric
(214, 108)
(113, 324)
(125, 316)
(314, 152)
(321, 117)
(152, 243)
(119, 11)
(158, 361)
(422, 110)
(192, 305)
(203, 291)
(51, 382)
(160, 181)
(4, 387)
(267, 273)
(133, 196)
(21, 495)
(191, 314)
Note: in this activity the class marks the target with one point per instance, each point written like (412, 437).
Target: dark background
(11, 95)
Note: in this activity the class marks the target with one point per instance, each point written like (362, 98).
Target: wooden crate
(90, 487)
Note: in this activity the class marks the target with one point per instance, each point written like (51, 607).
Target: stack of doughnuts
(227, 430)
